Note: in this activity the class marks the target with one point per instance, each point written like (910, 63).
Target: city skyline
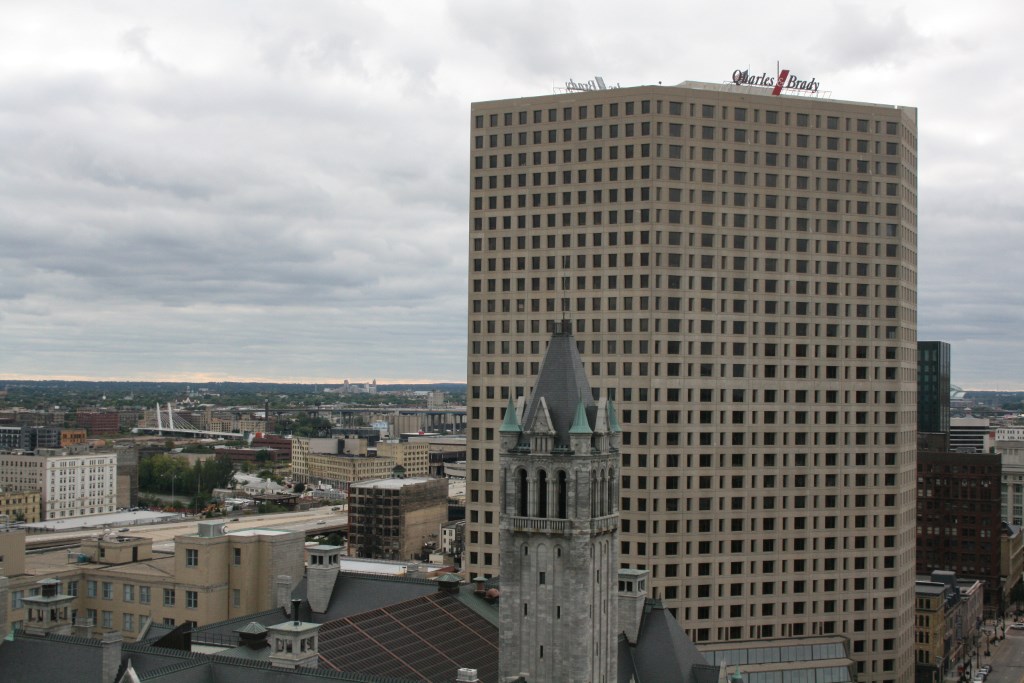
(252, 194)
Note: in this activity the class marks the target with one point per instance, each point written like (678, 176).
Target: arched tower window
(542, 493)
(603, 493)
(593, 493)
(611, 492)
(522, 494)
(563, 495)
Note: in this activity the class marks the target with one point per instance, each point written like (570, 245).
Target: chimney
(632, 595)
(321, 574)
(283, 585)
(479, 581)
(467, 676)
(111, 657)
(296, 603)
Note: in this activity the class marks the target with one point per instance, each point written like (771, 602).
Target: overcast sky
(279, 190)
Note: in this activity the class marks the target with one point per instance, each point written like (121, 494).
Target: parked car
(979, 677)
(321, 521)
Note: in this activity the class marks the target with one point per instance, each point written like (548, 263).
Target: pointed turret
(510, 429)
(511, 423)
(561, 385)
(580, 433)
(581, 424)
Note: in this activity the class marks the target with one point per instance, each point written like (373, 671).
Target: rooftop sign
(784, 81)
(597, 83)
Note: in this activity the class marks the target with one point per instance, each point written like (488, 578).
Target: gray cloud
(225, 190)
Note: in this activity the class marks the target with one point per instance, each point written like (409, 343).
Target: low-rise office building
(414, 456)
(118, 582)
(1011, 556)
(948, 614)
(1010, 444)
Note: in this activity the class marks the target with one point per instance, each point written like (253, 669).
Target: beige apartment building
(318, 461)
(414, 456)
(119, 582)
(20, 505)
(740, 271)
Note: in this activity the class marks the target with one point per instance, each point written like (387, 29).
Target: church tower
(559, 527)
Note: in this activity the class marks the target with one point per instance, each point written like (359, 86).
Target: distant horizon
(249, 380)
(314, 382)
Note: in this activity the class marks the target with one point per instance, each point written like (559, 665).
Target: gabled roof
(663, 652)
(561, 386)
(355, 593)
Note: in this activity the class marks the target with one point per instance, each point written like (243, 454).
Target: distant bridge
(176, 425)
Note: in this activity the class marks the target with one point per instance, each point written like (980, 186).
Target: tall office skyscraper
(740, 272)
(933, 387)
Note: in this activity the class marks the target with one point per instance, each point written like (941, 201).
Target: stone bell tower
(559, 527)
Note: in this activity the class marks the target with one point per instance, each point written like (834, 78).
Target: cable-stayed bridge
(166, 423)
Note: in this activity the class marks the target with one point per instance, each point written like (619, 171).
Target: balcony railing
(556, 526)
(560, 526)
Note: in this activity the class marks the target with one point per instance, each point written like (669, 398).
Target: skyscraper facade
(933, 369)
(740, 273)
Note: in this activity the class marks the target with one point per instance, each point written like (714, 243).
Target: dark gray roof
(563, 384)
(55, 658)
(627, 667)
(356, 593)
(663, 651)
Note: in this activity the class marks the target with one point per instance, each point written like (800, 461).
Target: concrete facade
(971, 435)
(740, 270)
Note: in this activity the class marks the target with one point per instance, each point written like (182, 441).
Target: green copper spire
(613, 420)
(511, 423)
(581, 425)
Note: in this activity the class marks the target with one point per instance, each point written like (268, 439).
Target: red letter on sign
(779, 83)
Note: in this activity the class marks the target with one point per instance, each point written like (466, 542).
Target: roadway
(305, 520)
(1007, 658)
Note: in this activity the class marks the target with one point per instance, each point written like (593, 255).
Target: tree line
(156, 473)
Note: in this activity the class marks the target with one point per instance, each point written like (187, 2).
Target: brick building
(958, 518)
(392, 519)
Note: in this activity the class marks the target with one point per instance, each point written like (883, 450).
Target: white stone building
(73, 481)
